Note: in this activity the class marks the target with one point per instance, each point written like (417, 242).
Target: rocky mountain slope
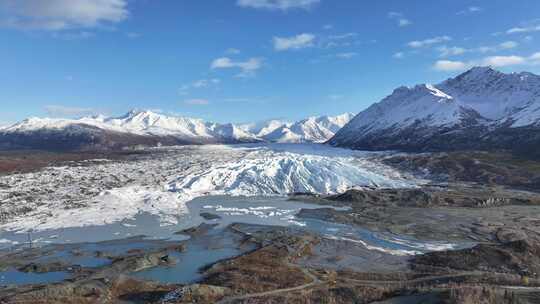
(151, 129)
(479, 109)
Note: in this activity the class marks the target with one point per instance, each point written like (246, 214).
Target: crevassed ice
(266, 172)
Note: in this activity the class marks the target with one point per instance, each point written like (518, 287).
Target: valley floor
(270, 224)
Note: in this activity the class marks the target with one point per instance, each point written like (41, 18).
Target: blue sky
(247, 60)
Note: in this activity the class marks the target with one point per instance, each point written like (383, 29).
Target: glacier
(105, 192)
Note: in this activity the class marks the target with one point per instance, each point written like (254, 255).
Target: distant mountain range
(480, 109)
(152, 129)
(313, 129)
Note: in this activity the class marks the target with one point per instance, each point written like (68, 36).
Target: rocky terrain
(286, 267)
(485, 168)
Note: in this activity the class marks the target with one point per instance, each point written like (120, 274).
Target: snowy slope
(407, 106)
(461, 112)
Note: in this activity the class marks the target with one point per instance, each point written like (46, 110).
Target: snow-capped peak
(149, 123)
(480, 72)
(490, 93)
(493, 94)
(312, 129)
(477, 101)
(407, 106)
(265, 127)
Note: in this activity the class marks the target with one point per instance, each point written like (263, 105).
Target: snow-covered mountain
(263, 128)
(498, 96)
(316, 129)
(149, 128)
(143, 123)
(312, 129)
(134, 128)
(479, 109)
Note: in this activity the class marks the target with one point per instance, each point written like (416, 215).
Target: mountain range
(481, 109)
(151, 129)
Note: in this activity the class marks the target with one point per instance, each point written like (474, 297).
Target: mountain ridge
(150, 128)
(479, 109)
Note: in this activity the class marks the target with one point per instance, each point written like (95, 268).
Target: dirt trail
(315, 281)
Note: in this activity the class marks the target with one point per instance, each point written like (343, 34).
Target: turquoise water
(200, 252)
(208, 249)
(87, 259)
(15, 277)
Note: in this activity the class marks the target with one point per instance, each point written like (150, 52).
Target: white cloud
(535, 58)
(278, 4)
(451, 51)
(470, 10)
(393, 15)
(327, 27)
(248, 67)
(232, 51)
(61, 14)
(446, 51)
(400, 18)
(404, 22)
(343, 36)
(486, 49)
(222, 63)
(428, 42)
(203, 83)
(398, 55)
(449, 65)
(527, 29)
(340, 40)
(493, 61)
(198, 84)
(65, 111)
(508, 45)
(502, 61)
(196, 102)
(348, 55)
(294, 43)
